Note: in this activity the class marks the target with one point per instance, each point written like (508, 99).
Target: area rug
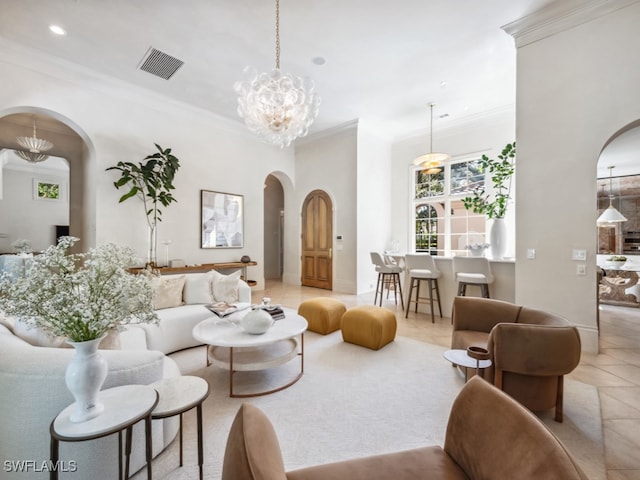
(353, 402)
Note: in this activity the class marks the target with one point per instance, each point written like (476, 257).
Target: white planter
(84, 376)
(498, 238)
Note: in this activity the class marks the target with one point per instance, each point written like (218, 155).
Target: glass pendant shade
(278, 107)
(432, 160)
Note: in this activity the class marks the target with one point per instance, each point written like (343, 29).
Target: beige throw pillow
(224, 288)
(167, 291)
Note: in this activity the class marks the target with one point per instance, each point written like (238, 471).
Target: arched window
(441, 224)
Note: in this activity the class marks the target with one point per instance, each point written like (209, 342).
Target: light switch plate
(531, 253)
(581, 269)
(578, 254)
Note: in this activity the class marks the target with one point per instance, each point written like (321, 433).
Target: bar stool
(472, 271)
(388, 275)
(422, 267)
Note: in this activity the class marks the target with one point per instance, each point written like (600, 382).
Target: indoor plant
(494, 205)
(80, 296)
(152, 181)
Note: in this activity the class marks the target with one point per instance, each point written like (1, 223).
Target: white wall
(328, 162)
(123, 122)
(575, 89)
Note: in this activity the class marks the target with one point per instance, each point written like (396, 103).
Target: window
(441, 224)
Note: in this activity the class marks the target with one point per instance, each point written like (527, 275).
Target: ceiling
(384, 61)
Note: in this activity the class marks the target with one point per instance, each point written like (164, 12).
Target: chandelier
(610, 214)
(277, 106)
(431, 162)
(35, 146)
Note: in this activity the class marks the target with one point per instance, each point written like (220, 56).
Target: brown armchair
(531, 350)
(489, 435)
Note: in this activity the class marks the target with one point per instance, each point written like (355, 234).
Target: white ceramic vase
(498, 238)
(84, 376)
(256, 322)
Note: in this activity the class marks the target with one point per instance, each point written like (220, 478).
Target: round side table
(177, 396)
(123, 407)
(462, 358)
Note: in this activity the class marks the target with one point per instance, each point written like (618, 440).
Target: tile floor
(615, 371)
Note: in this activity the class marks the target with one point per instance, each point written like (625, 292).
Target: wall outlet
(531, 253)
(581, 269)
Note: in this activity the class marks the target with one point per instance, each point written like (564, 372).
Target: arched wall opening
(69, 142)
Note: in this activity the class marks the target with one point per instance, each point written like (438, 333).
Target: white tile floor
(615, 371)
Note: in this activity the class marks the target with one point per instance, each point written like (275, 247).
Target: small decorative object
(266, 301)
(152, 182)
(245, 259)
(80, 296)
(477, 249)
(478, 353)
(84, 377)
(22, 245)
(256, 322)
(617, 261)
(501, 171)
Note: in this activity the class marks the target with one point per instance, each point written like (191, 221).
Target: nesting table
(177, 396)
(123, 407)
(462, 358)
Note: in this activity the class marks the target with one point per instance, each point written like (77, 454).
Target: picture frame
(222, 220)
(50, 189)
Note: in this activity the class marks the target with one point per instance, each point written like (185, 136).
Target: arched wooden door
(317, 244)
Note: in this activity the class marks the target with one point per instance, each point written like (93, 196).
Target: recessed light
(57, 30)
(318, 60)
(443, 84)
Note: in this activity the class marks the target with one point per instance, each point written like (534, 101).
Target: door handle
(331, 253)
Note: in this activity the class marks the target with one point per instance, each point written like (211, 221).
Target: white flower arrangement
(80, 296)
(477, 246)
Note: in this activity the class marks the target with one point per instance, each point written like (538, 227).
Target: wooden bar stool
(388, 275)
(422, 267)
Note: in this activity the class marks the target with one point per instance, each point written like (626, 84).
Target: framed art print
(222, 216)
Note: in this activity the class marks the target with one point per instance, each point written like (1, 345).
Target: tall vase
(152, 257)
(84, 376)
(498, 238)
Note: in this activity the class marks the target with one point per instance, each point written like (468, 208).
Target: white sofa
(33, 392)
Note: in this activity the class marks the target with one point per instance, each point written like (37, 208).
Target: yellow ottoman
(323, 314)
(369, 326)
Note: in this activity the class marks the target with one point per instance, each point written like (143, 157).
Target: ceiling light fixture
(57, 30)
(277, 106)
(432, 161)
(35, 146)
(610, 214)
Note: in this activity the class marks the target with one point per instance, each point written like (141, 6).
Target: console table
(205, 267)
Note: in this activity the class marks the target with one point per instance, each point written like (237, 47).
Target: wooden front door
(317, 244)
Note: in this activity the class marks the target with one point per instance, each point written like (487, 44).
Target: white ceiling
(385, 61)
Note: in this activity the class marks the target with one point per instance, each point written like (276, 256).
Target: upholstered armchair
(531, 350)
(489, 435)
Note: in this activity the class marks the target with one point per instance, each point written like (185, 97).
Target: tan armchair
(531, 350)
(489, 435)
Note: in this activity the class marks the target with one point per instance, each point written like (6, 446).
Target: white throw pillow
(167, 291)
(36, 337)
(197, 288)
(224, 288)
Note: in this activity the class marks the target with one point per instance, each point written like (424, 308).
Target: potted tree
(494, 205)
(151, 180)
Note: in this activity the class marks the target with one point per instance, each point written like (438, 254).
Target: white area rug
(354, 402)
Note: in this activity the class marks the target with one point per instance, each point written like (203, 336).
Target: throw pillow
(197, 288)
(36, 337)
(167, 291)
(224, 288)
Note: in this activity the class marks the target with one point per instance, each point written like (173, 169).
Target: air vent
(160, 64)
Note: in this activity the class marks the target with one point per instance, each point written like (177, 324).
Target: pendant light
(610, 214)
(35, 146)
(432, 161)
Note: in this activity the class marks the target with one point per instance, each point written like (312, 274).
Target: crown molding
(560, 16)
(327, 132)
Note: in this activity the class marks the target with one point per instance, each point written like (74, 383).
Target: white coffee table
(230, 347)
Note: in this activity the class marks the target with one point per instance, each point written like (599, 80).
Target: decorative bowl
(478, 353)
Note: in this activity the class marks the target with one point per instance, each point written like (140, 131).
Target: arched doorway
(317, 241)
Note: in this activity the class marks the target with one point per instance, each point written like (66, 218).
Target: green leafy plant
(152, 181)
(500, 171)
(79, 296)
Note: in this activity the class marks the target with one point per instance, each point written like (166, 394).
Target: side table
(462, 358)
(123, 407)
(177, 396)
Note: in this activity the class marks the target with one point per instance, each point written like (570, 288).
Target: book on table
(275, 311)
(224, 309)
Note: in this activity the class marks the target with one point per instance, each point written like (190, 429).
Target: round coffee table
(230, 347)
(462, 358)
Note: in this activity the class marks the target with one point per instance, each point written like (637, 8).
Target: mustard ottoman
(323, 314)
(369, 326)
